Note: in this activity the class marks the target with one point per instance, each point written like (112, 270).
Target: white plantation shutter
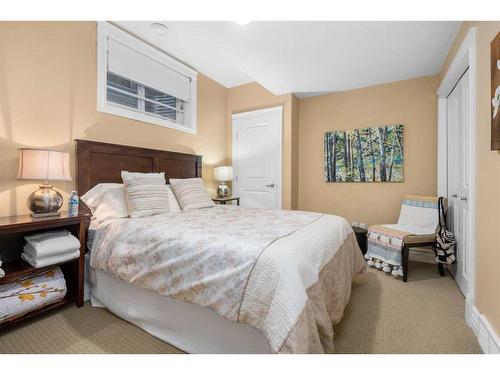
(130, 63)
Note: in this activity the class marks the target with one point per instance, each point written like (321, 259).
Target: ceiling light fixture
(159, 28)
(242, 22)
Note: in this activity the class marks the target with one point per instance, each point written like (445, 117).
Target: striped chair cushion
(191, 193)
(146, 193)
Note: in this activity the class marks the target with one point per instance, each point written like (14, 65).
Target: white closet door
(458, 125)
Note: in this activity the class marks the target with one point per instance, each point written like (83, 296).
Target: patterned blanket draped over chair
(417, 222)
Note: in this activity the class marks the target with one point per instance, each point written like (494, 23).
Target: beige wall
(487, 176)
(253, 96)
(48, 98)
(412, 103)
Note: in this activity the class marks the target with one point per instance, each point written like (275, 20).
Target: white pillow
(106, 201)
(146, 193)
(93, 197)
(113, 206)
(191, 193)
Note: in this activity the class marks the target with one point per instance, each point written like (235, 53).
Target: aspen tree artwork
(365, 155)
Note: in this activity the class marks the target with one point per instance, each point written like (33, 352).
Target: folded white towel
(44, 252)
(51, 243)
(37, 237)
(47, 261)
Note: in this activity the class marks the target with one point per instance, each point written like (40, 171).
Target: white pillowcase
(191, 193)
(113, 205)
(146, 193)
(106, 201)
(93, 197)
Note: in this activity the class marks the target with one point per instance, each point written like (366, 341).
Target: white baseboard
(486, 335)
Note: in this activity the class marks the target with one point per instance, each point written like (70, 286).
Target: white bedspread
(277, 289)
(199, 256)
(229, 268)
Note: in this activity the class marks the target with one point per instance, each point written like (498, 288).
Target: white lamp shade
(223, 173)
(40, 164)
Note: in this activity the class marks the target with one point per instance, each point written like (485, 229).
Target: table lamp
(45, 165)
(223, 174)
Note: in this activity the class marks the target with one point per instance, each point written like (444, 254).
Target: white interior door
(458, 156)
(257, 158)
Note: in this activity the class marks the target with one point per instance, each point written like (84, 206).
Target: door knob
(463, 198)
(453, 195)
(270, 185)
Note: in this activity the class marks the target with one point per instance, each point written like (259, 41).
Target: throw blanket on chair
(384, 248)
(418, 217)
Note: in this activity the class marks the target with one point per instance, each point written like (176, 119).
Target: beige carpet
(424, 315)
(384, 316)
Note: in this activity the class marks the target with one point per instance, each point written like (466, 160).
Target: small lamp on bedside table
(45, 165)
(223, 174)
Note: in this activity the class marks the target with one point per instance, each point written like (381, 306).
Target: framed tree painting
(495, 93)
(365, 155)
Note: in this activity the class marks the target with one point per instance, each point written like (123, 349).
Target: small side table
(361, 237)
(227, 199)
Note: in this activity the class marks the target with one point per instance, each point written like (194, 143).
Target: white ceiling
(306, 58)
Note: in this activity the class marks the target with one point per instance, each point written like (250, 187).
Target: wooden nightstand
(227, 199)
(12, 232)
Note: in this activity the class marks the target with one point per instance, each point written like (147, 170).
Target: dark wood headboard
(98, 162)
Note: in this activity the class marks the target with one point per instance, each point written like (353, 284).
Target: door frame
(249, 115)
(465, 58)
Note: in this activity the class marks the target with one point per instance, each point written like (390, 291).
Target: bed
(273, 281)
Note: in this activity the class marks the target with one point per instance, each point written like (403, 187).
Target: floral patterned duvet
(207, 257)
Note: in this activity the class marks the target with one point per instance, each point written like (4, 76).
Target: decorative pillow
(173, 203)
(146, 193)
(191, 193)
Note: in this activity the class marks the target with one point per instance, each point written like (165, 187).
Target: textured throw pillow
(146, 193)
(173, 203)
(191, 193)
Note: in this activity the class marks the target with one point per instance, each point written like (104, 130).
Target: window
(139, 82)
(129, 94)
